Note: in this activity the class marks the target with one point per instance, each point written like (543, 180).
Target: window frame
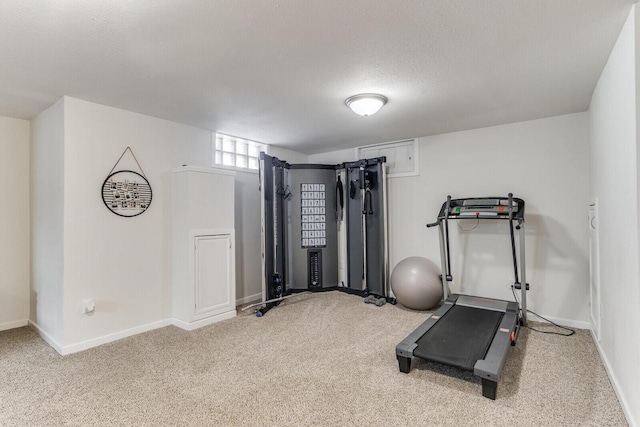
(242, 153)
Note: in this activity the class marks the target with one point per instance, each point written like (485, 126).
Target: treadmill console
(486, 207)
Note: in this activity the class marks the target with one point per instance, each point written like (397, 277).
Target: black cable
(446, 232)
(285, 192)
(571, 331)
(513, 246)
(339, 199)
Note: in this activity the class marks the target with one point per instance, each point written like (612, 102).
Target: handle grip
(432, 225)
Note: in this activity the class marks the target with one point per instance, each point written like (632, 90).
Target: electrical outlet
(88, 306)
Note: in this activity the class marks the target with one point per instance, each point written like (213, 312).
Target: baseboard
(248, 299)
(190, 326)
(94, 342)
(14, 324)
(46, 337)
(614, 382)
(562, 322)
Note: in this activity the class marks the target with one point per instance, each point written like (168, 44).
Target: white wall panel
(123, 263)
(47, 222)
(614, 181)
(14, 223)
(544, 162)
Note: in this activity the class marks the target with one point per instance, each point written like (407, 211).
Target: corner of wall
(14, 223)
(615, 175)
(46, 165)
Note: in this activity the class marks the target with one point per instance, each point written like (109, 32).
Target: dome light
(366, 104)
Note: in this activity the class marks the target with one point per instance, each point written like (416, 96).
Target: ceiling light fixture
(366, 104)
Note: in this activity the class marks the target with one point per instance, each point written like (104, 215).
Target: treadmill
(468, 332)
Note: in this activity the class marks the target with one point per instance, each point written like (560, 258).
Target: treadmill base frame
(487, 369)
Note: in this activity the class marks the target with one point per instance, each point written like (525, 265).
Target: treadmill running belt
(460, 338)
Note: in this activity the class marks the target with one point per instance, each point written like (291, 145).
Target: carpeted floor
(323, 359)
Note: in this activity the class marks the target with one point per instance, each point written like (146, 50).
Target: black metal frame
(274, 237)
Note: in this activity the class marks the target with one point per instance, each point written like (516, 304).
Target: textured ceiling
(278, 71)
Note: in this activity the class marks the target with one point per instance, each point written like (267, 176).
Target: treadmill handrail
(509, 212)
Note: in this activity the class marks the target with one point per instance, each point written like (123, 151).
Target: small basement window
(237, 153)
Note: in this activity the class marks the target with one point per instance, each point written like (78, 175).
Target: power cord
(468, 229)
(571, 331)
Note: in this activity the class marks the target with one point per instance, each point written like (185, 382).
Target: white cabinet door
(213, 275)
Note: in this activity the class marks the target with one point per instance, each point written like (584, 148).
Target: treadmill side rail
(490, 367)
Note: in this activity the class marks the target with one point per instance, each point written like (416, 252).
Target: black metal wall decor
(125, 192)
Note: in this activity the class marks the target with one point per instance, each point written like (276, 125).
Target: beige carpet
(323, 359)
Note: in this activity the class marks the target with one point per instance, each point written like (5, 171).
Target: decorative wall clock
(125, 192)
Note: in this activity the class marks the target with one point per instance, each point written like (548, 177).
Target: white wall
(333, 157)
(14, 223)
(81, 250)
(614, 181)
(544, 162)
(287, 155)
(47, 223)
(120, 262)
(248, 238)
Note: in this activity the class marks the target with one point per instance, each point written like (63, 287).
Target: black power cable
(571, 331)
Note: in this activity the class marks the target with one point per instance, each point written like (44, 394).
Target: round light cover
(366, 104)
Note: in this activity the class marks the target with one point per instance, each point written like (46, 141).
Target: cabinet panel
(202, 246)
(213, 279)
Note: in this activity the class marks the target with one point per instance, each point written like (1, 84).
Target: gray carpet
(323, 359)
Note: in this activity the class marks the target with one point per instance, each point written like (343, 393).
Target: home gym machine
(468, 332)
(324, 227)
